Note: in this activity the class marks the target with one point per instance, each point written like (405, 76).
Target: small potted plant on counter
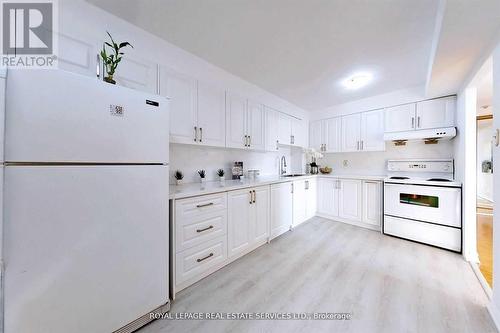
(178, 175)
(202, 175)
(220, 173)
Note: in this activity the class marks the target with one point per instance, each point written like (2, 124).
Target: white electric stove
(422, 202)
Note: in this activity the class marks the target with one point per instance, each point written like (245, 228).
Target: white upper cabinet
(245, 123)
(351, 133)
(211, 115)
(78, 56)
(236, 121)
(372, 131)
(333, 134)
(316, 135)
(299, 133)
(285, 129)
(272, 134)
(350, 199)
(436, 113)
(256, 126)
(181, 89)
(197, 110)
(400, 118)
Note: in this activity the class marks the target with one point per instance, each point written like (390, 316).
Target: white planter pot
(203, 180)
(222, 179)
(178, 182)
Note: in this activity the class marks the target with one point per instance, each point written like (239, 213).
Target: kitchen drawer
(187, 210)
(194, 262)
(428, 233)
(201, 229)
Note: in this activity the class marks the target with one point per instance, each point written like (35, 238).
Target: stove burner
(438, 180)
(401, 178)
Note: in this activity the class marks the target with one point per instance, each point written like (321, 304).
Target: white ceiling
(301, 50)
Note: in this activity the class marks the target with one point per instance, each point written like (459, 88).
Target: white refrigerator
(85, 223)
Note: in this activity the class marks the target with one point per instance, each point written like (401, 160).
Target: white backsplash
(189, 159)
(375, 163)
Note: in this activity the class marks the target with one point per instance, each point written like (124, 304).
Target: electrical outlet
(345, 163)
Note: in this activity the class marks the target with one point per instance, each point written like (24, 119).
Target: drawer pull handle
(205, 229)
(205, 205)
(205, 258)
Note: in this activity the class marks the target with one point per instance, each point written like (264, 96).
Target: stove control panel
(445, 166)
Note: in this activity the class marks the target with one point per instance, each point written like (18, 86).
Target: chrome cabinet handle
(195, 134)
(205, 258)
(249, 141)
(412, 122)
(246, 140)
(307, 184)
(291, 188)
(205, 229)
(496, 137)
(201, 134)
(277, 144)
(205, 205)
(251, 197)
(358, 146)
(418, 122)
(254, 196)
(362, 144)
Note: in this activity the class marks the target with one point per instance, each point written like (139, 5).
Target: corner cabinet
(245, 123)
(197, 113)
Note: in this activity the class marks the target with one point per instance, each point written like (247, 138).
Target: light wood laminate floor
(388, 284)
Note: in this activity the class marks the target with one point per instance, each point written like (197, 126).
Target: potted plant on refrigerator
(178, 175)
(220, 173)
(202, 175)
(111, 61)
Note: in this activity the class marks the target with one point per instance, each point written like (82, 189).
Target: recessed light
(357, 80)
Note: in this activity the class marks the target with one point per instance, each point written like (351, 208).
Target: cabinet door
(272, 135)
(351, 132)
(436, 113)
(238, 224)
(372, 131)
(281, 209)
(328, 200)
(260, 218)
(181, 90)
(350, 199)
(78, 56)
(236, 121)
(316, 137)
(284, 129)
(299, 133)
(372, 202)
(400, 118)
(299, 202)
(138, 74)
(311, 198)
(256, 126)
(211, 115)
(333, 135)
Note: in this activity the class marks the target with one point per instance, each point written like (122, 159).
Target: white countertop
(195, 189)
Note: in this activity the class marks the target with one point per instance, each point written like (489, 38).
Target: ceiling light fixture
(357, 80)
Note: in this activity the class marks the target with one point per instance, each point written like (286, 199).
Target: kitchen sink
(294, 175)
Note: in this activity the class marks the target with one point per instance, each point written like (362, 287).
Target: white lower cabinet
(281, 209)
(304, 200)
(248, 217)
(351, 200)
(372, 202)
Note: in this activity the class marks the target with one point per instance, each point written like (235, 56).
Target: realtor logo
(28, 33)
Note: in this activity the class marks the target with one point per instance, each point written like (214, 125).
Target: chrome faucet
(283, 165)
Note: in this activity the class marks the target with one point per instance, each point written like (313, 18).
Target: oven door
(440, 205)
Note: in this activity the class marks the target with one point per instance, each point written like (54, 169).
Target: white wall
(375, 163)
(484, 180)
(190, 159)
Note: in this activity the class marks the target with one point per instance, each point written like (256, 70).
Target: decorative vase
(109, 79)
(178, 182)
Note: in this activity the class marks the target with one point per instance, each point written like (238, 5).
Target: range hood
(427, 135)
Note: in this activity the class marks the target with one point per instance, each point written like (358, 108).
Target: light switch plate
(345, 163)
